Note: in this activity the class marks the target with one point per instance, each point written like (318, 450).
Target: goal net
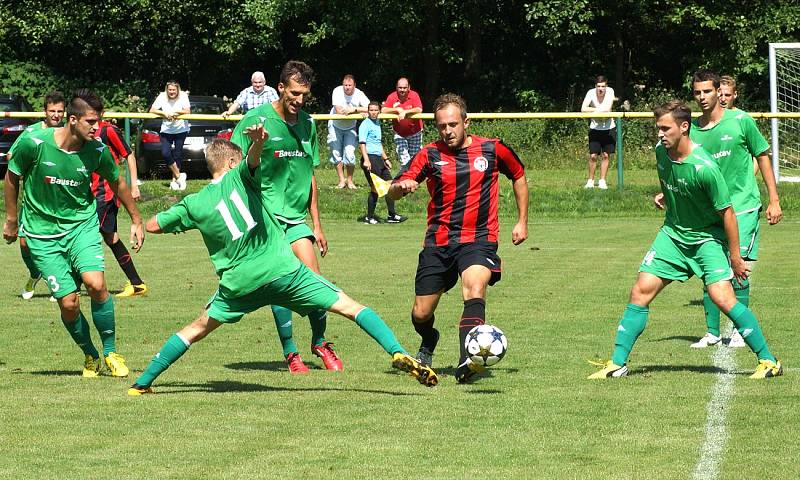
(784, 67)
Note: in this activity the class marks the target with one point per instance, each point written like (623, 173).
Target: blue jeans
(172, 155)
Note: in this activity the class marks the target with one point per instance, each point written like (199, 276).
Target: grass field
(230, 410)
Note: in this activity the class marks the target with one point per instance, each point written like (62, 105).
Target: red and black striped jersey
(464, 189)
(111, 136)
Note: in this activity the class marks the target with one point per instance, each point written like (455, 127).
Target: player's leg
(423, 318)
(34, 275)
(594, 151)
(107, 217)
(437, 272)
(372, 196)
(749, 237)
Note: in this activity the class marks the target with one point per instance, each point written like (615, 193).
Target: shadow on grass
(685, 338)
(695, 303)
(52, 373)
(260, 366)
(229, 386)
(645, 369)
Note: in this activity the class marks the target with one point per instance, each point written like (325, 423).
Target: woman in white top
(169, 104)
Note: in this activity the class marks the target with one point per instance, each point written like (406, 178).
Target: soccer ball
(486, 345)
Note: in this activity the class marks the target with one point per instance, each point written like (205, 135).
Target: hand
(322, 242)
(367, 166)
(257, 133)
(774, 212)
(658, 200)
(137, 236)
(401, 114)
(740, 269)
(10, 230)
(408, 186)
(519, 233)
(388, 163)
(135, 193)
(225, 114)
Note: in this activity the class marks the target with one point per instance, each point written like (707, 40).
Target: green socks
(175, 347)
(103, 318)
(712, 314)
(630, 327)
(742, 290)
(79, 331)
(319, 322)
(370, 322)
(283, 322)
(748, 327)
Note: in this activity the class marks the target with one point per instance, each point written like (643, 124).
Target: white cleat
(589, 184)
(601, 184)
(707, 340)
(736, 340)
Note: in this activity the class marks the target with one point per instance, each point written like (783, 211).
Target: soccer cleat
(173, 185)
(181, 181)
(589, 184)
(707, 340)
(609, 370)
(396, 218)
(601, 184)
(768, 369)
(425, 353)
(736, 340)
(296, 365)
(406, 363)
(116, 365)
(467, 370)
(29, 288)
(137, 390)
(328, 356)
(370, 221)
(91, 367)
(132, 290)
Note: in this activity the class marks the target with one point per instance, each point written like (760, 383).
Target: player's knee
(346, 307)
(97, 290)
(421, 313)
(70, 306)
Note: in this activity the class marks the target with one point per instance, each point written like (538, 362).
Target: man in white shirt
(342, 135)
(602, 131)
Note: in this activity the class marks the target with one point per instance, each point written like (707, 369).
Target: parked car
(11, 128)
(150, 162)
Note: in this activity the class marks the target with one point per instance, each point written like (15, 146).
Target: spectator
(258, 93)
(602, 131)
(342, 136)
(375, 160)
(407, 132)
(170, 104)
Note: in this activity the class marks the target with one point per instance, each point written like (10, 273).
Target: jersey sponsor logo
(441, 163)
(490, 261)
(277, 139)
(81, 169)
(721, 153)
(67, 182)
(725, 138)
(49, 164)
(289, 153)
(480, 164)
(746, 332)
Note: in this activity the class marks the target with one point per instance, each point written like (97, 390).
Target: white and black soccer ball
(486, 345)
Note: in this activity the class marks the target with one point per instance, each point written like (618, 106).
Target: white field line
(713, 450)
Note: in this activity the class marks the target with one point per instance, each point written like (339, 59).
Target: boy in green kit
(254, 261)
(699, 229)
(60, 223)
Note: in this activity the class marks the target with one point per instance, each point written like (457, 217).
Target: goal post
(784, 86)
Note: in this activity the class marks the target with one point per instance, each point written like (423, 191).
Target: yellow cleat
(424, 374)
(137, 390)
(116, 364)
(91, 367)
(768, 369)
(130, 290)
(609, 370)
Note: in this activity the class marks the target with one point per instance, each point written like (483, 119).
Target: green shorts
(62, 260)
(673, 260)
(296, 231)
(301, 291)
(749, 233)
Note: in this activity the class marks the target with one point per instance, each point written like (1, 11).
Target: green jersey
(30, 129)
(57, 192)
(244, 240)
(733, 142)
(694, 193)
(287, 162)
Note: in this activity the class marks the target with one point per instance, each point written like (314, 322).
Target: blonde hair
(219, 152)
(172, 82)
(728, 81)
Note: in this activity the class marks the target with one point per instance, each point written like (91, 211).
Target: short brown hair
(450, 99)
(679, 110)
(706, 76)
(298, 71)
(220, 151)
(82, 101)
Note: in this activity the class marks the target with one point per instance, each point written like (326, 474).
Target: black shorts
(107, 216)
(439, 267)
(602, 141)
(378, 168)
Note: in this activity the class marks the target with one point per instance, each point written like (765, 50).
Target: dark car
(148, 146)
(11, 128)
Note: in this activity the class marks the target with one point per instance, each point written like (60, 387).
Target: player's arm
(774, 212)
(520, 231)
(362, 147)
(313, 209)
(257, 135)
(153, 226)
(134, 174)
(11, 194)
(738, 264)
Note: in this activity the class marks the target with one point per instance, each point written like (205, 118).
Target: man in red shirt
(407, 132)
(108, 207)
(463, 230)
